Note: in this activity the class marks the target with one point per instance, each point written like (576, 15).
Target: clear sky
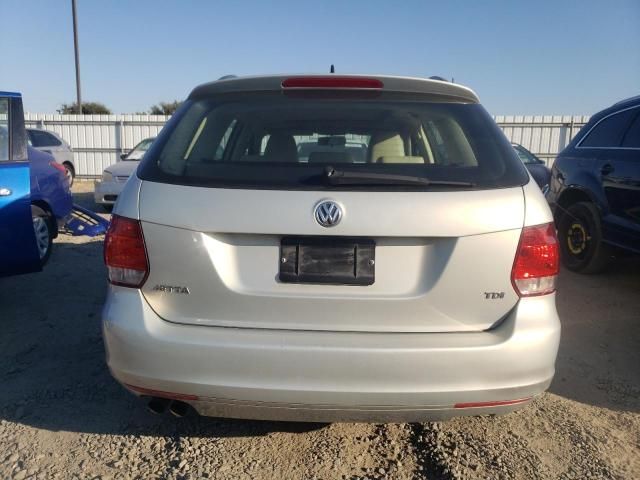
(521, 57)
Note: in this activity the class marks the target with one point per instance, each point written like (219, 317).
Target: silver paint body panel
(423, 337)
(332, 376)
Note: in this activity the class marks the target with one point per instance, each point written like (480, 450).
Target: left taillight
(125, 253)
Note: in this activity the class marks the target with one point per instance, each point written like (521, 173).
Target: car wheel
(108, 208)
(70, 173)
(43, 228)
(580, 234)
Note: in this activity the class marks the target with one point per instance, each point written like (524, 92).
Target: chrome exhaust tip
(158, 405)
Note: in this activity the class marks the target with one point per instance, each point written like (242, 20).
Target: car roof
(628, 102)
(43, 130)
(438, 88)
(55, 134)
(596, 117)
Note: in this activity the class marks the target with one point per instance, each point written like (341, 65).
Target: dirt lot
(62, 416)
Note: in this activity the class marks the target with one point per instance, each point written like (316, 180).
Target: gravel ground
(62, 416)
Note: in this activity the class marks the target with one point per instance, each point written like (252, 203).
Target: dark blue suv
(595, 189)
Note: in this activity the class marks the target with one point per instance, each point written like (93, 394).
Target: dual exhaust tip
(159, 405)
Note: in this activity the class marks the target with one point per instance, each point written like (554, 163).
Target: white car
(414, 285)
(52, 143)
(114, 177)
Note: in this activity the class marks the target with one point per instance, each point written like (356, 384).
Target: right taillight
(125, 253)
(58, 167)
(536, 265)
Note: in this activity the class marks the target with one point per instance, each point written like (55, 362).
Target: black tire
(44, 230)
(580, 235)
(108, 207)
(71, 172)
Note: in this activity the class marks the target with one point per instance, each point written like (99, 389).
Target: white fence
(543, 135)
(98, 140)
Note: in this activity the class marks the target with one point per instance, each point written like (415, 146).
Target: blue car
(51, 200)
(537, 168)
(34, 195)
(595, 189)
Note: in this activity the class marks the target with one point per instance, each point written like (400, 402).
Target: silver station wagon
(332, 248)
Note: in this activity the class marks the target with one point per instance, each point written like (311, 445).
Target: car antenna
(333, 69)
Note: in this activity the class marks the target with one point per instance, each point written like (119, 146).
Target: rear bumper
(327, 376)
(106, 193)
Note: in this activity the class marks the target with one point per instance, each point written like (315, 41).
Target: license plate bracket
(327, 260)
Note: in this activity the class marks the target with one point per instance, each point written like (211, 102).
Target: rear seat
(388, 147)
(331, 157)
(281, 148)
(385, 144)
(400, 159)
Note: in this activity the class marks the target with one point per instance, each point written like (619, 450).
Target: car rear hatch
(236, 235)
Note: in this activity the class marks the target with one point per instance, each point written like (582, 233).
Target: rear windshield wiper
(343, 177)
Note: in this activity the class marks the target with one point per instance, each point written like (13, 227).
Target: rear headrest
(281, 148)
(385, 144)
(400, 159)
(330, 157)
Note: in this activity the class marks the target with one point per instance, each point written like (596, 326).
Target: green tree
(164, 108)
(88, 108)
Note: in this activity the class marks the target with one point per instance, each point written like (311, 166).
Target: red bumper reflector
(491, 404)
(334, 81)
(159, 393)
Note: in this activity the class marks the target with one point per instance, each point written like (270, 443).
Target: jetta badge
(328, 213)
(172, 289)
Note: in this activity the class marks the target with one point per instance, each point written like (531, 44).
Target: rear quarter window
(631, 138)
(608, 132)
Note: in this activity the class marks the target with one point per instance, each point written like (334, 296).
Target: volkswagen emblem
(328, 213)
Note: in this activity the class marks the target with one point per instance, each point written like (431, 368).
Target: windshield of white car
(139, 150)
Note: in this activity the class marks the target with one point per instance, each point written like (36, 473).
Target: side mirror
(123, 156)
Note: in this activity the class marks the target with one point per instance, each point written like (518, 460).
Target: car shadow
(599, 348)
(54, 375)
(52, 359)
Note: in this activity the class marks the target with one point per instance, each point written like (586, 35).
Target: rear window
(39, 138)
(288, 142)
